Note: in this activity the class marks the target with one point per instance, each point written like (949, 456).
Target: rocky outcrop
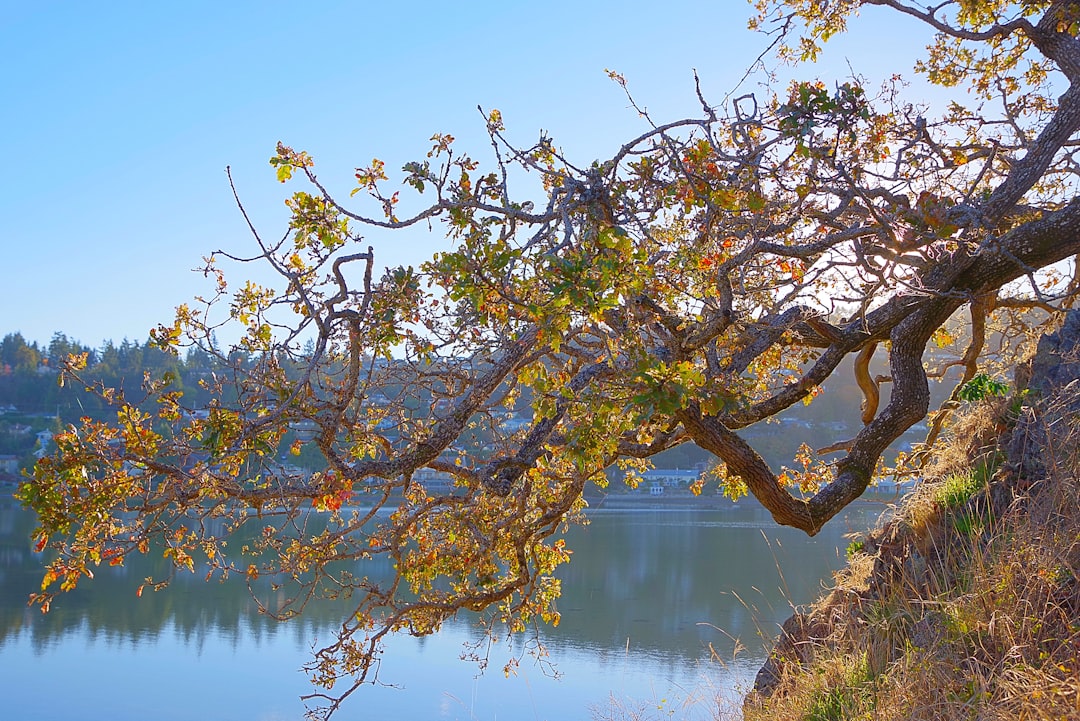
(1014, 453)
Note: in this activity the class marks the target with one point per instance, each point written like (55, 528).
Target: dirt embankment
(967, 604)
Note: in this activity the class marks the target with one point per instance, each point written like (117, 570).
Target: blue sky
(119, 119)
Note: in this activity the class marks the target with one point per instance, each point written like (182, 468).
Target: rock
(1052, 379)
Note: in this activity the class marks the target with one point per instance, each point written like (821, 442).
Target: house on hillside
(44, 443)
(19, 429)
(9, 465)
(669, 478)
(515, 422)
(434, 482)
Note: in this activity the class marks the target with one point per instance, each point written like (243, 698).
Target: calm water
(651, 604)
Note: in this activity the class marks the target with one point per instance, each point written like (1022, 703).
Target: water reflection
(649, 597)
(670, 581)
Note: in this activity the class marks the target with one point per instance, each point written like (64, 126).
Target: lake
(652, 603)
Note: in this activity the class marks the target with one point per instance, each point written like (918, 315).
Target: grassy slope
(967, 604)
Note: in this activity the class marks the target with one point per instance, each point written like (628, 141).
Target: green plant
(957, 488)
(966, 523)
(854, 547)
(846, 698)
(829, 706)
(981, 387)
(985, 467)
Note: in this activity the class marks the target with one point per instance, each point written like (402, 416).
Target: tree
(712, 273)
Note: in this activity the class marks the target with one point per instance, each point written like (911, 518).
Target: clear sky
(119, 118)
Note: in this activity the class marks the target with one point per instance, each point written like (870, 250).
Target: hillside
(966, 605)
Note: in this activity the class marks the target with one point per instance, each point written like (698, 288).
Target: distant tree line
(29, 373)
(32, 400)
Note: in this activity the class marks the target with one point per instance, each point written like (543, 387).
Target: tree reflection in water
(649, 593)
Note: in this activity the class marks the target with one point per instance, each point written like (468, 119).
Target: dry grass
(965, 606)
